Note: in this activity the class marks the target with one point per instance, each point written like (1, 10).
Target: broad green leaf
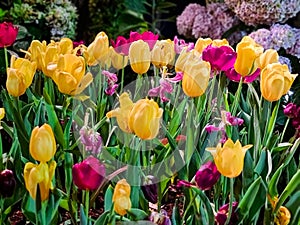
(137, 214)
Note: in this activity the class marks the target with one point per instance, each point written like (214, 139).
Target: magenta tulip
(88, 174)
(221, 216)
(207, 176)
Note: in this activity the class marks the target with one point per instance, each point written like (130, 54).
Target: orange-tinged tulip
(42, 144)
(229, 159)
(118, 61)
(41, 175)
(163, 53)
(19, 76)
(275, 81)
(144, 119)
(122, 113)
(139, 56)
(268, 57)
(248, 52)
(196, 75)
(2, 113)
(70, 74)
(283, 216)
(121, 197)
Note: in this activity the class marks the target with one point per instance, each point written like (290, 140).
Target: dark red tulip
(88, 174)
(8, 34)
(222, 214)
(207, 176)
(150, 189)
(7, 183)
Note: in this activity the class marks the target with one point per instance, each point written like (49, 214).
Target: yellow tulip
(121, 197)
(144, 119)
(122, 113)
(119, 61)
(268, 57)
(248, 52)
(100, 47)
(42, 144)
(202, 43)
(19, 76)
(50, 58)
(70, 75)
(65, 46)
(229, 159)
(283, 216)
(41, 175)
(139, 56)
(163, 53)
(2, 113)
(35, 51)
(196, 75)
(86, 53)
(275, 81)
(180, 62)
(220, 42)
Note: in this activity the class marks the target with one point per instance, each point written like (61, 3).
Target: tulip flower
(146, 36)
(118, 61)
(70, 74)
(49, 60)
(222, 214)
(196, 75)
(202, 43)
(182, 58)
(283, 215)
(144, 119)
(91, 140)
(291, 110)
(100, 47)
(180, 44)
(42, 144)
(88, 174)
(207, 176)
(19, 76)
(65, 46)
(139, 56)
(163, 53)
(121, 197)
(275, 81)
(268, 57)
(121, 45)
(41, 175)
(35, 53)
(220, 58)
(149, 188)
(8, 34)
(229, 159)
(122, 113)
(248, 52)
(7, 183)
(160, 218)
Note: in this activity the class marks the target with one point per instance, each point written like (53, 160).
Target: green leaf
(176, 215)
(28, 208)
(137, 214)
(282, 147)
(52, 207)
(247, 200)
(108, 198)
(103, 219)
(83, 217)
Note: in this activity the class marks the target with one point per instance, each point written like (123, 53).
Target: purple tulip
(223, 212)
(207, 176)
(290, 110)
(150, 189)
(88, 174)
(7, 183)
(91, 140)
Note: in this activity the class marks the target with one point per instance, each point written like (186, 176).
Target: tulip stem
(6, 58)
(237, 98)
(231, 197)
(87, 205)
(122, 76)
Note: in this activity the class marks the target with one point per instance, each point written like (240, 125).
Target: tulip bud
(139, 56)
(121, 197)
(222, 214)
(7, 183)
(150, 189)
(42, 144)
(207, 176)
(8, 34)
(88, 174)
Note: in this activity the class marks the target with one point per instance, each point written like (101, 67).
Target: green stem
(231, 198)
(6, 58)
(189, 206)
(87, 205)
(237, 98)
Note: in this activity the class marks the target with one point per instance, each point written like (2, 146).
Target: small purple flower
(220, 58)
(179, 44)
(91, 140)
(290, 110)
(111, 82)
(222, 214)
(233, 121)
(207, 176)
(160, 218)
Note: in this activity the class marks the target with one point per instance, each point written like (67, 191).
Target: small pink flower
(233, 121)
(111, 82)
(91, 140)
(179, 44)
(291, 110)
